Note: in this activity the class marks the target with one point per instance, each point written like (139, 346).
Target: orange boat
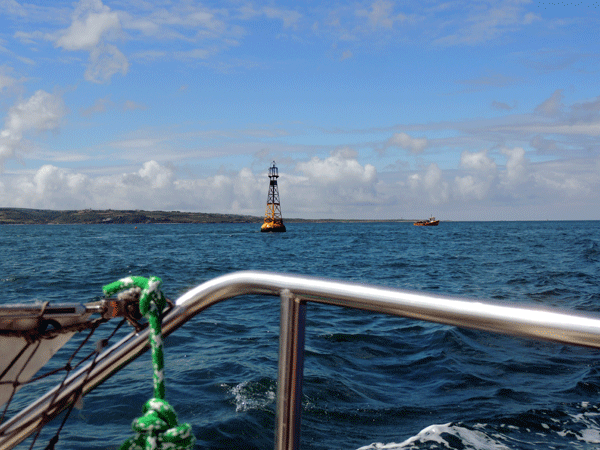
(427, 223)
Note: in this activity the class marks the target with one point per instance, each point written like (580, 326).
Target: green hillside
(88, 216)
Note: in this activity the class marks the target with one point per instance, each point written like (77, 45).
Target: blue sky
(466, 110)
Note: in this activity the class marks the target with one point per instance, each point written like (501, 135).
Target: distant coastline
(25, 216)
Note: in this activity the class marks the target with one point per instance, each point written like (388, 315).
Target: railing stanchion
(291, 367)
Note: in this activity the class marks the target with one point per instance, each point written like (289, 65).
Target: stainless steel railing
(295, 292)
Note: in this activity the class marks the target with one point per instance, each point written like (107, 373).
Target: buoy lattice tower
(273, 219)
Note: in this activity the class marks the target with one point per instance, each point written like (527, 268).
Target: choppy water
(371, 381)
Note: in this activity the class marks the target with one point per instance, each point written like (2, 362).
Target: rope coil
(158, 427)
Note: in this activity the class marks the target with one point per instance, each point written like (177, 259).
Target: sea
(370, 381)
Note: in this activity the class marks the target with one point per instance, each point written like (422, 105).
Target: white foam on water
(580, 431)
(433, 434)
(590, 434)
(247, 397)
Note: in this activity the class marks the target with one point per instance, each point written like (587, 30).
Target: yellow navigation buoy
(273, 220)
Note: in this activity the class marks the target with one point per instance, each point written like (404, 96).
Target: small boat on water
(431, 222)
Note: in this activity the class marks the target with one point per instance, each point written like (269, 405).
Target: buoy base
(273, 227)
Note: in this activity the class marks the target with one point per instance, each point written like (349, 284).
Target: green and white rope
(157, 428)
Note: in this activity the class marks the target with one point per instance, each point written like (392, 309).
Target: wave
(532, 430)
(444, 436)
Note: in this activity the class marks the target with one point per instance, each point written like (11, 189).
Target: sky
(464, 110)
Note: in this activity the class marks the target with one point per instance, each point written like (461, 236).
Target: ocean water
(370, 381)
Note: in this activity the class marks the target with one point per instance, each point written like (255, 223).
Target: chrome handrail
(295, 292)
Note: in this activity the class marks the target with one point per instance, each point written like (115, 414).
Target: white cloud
(328, 187)
(552, 106)
(184, 22)
(137, 143)
(130, 105)
(12, 7)
(403, 140)
(155, 175)
(41, 112)
(98, 107)
(105, 61)
(470, 187)
(430, 185)
(478, 161)
(6, 81)
(289, 17)
(566, 129)
(93, 24)
(586, 111)
(52, 181)
(486, 23)
(341, 165)
(154, 187)
(482, 172)
(568, 179)
(59, 188)
(49, 187)
(516, 167)
(31, 37)
(336, 186)
(381, 14)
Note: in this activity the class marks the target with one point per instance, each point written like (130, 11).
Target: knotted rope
(157, 428)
